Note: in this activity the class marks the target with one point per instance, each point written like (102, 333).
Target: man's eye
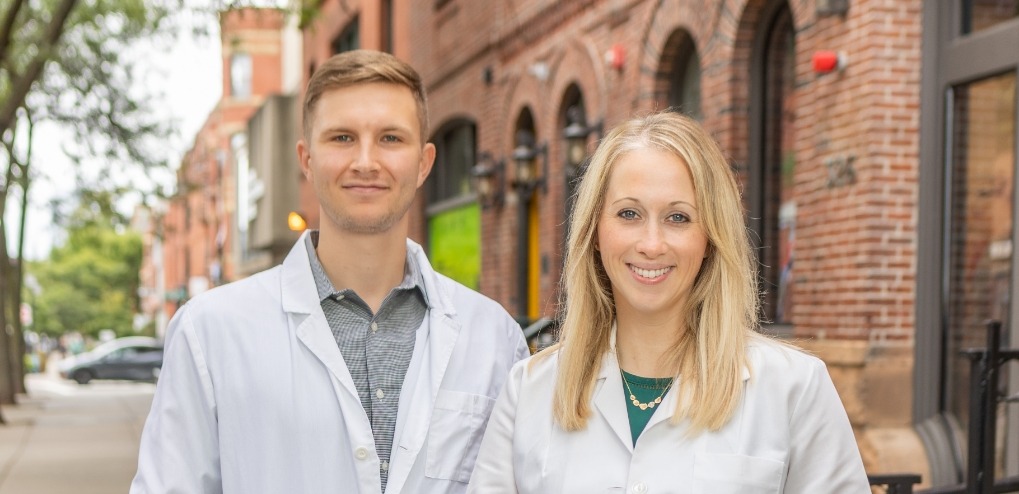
(343, 138)
(390, 138)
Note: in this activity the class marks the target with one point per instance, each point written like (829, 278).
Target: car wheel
(82, 376)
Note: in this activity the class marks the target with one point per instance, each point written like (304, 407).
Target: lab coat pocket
(736, 474)
(454, 435)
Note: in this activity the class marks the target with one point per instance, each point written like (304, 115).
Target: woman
(659, 382)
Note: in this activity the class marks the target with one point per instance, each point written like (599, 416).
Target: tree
(90, 283)
(63, 61)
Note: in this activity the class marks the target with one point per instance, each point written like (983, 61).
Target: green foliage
(90, 282)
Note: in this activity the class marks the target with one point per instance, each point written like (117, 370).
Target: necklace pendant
(643, 406)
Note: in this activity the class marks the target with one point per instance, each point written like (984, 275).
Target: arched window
(454, 216)
(685, 76)
(772, 199)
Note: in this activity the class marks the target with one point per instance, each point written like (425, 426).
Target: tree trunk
(6, 379)
(19, 278)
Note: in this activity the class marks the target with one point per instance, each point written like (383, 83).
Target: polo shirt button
(385, 466)
(375, 327)
(361, 453)
(639, 488)
(381, 394)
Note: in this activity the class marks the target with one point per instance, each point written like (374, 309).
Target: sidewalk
(63, 438)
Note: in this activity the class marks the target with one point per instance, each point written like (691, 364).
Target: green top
(647, 391)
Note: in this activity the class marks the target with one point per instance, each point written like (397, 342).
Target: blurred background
(149, 156)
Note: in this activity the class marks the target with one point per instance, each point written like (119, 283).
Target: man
(353, 367)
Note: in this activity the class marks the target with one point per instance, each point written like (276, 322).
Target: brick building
(881, 246)
(202, 242)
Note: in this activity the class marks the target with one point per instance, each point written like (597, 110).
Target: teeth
(649, 273)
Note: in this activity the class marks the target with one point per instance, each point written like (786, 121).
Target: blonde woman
(659, 382)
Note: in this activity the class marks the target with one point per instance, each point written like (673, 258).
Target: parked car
(134, 358)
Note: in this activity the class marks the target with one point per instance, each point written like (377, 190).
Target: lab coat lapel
(304, 312)
(609, 398)
(436, 340)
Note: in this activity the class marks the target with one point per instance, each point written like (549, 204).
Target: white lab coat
(789, 434)
(254, 395)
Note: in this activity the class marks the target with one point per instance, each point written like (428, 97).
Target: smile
(649, 273)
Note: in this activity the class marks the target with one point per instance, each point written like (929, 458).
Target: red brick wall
(855, 244)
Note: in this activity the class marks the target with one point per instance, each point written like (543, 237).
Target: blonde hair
(355, 67)
(721, 311)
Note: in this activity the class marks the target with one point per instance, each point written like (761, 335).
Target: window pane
(779, 212)
(685, 93)
(240, 75)
(453, 160)
(980, 220)
(982, 14)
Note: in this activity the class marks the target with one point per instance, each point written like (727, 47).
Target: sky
(189, 76)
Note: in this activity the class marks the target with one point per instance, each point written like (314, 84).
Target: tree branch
(8, 27)
(21, 86)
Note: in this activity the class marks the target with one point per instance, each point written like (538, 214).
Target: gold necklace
(636, 402)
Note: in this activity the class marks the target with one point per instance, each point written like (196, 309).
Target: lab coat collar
(610, 400)
(433, 350)
(609, 397)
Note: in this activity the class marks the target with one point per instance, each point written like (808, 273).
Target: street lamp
(489, 178)
(576, 134)
(525, 155)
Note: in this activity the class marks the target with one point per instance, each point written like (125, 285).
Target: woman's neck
(642, 344)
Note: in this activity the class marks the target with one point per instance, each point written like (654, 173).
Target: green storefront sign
(454, 244)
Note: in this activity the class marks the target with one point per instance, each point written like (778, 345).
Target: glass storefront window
(982, 171)
(982, 14)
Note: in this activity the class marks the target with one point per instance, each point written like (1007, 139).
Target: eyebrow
(673, 203)
(387, 129)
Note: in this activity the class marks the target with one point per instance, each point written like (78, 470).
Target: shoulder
(241, 295)
(538, 369)
(233, 304)
(767, 354)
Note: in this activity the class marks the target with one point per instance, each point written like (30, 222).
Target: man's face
(365, 156)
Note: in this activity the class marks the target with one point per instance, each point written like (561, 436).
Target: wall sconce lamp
(489, 176)
(832, 7)
(525, 156)
(296, 222)
(576, 134)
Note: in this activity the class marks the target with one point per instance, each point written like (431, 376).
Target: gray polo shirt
(376, 347)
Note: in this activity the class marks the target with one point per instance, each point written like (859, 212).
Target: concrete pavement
(63, 438)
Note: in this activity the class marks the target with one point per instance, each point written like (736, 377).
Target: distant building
(206, 226)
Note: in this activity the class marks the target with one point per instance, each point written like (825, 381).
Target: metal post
(982, 410)
(977, 401)
(523, 244)
(990, 396)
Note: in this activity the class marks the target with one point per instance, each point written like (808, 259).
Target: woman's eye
(678, 218)
(627, 214)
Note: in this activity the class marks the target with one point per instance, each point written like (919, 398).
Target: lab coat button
(361, 453)
(639, 488)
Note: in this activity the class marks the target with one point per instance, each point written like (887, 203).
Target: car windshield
(113, 345)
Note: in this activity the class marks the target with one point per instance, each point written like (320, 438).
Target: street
(65, 438)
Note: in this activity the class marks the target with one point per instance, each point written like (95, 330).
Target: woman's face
(650, 236)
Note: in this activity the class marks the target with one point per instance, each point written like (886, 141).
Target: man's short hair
(364, 67)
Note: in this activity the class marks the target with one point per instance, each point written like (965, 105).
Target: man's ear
(304, 158)
(427, 160)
